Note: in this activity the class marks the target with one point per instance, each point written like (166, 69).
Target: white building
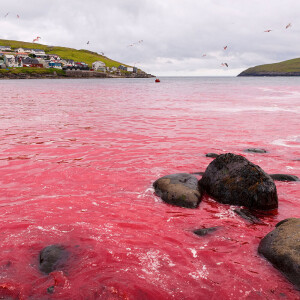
(23, 50)
(5, 48)
(99, 66)
(38, 52)
(12, 61)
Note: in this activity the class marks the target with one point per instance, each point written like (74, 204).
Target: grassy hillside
(288, 66)
(65, 53)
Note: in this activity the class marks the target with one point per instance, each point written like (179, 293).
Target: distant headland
(285, 68)
(22, 60)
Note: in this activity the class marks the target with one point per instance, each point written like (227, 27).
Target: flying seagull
(88, 42)
(224, 65)
(225, 47)
(36, 39)
(6, 15)
(269, 30)
(288, 25)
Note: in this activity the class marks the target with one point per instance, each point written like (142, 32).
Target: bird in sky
(18, 16)
(269, 30)
(224, 65)
(6, 15)
(88, 42)
(225, 47)
(36, 39)
(288, 25)
(138, 42)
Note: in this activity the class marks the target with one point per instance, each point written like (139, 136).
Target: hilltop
(285, 68)
(66, 53)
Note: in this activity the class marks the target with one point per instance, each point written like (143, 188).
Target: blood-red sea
(78, 158)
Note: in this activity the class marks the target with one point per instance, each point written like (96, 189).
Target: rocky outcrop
(52, 258)
(282, 248)
(232, 179)
(178, 189)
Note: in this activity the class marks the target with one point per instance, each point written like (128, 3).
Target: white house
(23, 50)
(38, 52)
(12, 61)
(129, 69)
(5, 48)
(99, 66)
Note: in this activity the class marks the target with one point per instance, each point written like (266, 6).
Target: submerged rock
(248, 216)
(178, 189)
(205, 231)
(213, 155)
(282, 248)
(52, 258)
(232, 179)
(256, 150)
(284, 177)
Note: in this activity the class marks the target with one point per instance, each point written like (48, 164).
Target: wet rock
(178, 189)
(232, 179)
(282, 248)
(198, 173)
(52, 258)
(256, 150)
(248, 216)
(213, 155)
(284, 177)
(50, 289)
(205, 231)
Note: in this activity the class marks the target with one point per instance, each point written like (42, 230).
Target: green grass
(292, 65)
(65, 53)
(33, 71)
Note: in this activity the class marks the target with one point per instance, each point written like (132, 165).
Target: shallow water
(77, 163)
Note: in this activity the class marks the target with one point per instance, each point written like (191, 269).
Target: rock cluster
(229, 179)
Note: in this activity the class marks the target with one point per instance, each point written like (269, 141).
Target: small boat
(157, 80)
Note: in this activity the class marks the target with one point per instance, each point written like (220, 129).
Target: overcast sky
(175, 34)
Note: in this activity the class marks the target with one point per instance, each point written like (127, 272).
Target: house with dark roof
(5, 48)
(31, 62)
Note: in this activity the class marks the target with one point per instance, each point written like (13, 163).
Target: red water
(77, 163)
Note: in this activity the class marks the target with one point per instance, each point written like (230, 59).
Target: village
(37, 58)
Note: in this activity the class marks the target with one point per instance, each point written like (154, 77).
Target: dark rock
(214, 155)
(282, 248)
(52, 258)
(248, 216)
(256, 150)
(50, 289)
(198, 173)
(232, 179)
(284, 177)
(205, 231)
(179, 189)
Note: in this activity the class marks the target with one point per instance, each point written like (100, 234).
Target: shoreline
(69, 74)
